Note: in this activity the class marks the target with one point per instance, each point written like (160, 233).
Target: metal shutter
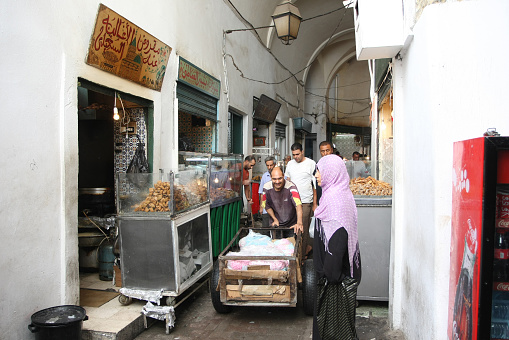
(196, 102)
(280, 130)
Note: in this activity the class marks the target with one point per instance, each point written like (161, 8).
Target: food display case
(361, 168)
(259, 169)
(164, 230)
(225, 179)
(162, 194)
(373, 199)
(192, 179)
(225, 182)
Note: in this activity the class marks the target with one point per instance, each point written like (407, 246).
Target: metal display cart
(164, 232)
(163, 257)
(374, 228)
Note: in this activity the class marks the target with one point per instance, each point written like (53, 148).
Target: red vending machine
(479, 280)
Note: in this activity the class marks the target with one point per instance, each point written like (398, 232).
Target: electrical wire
(85, 213)
(125, 117)
(292, 75)
(261, 42)
(338, 86)
(337, 99)
(324, 14)
(389, 71)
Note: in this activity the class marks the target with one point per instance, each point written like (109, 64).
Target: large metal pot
(98, 201)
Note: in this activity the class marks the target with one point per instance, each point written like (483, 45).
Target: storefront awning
(302, 124)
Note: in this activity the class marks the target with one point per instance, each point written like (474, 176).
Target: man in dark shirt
(249, 163)
(282, 202)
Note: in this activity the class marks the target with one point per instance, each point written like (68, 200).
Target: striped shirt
(282, 202)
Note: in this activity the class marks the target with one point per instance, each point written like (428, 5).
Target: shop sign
(194, 76)
(120, 47)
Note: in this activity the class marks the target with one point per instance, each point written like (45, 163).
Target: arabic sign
(118, 46)
(198, 78)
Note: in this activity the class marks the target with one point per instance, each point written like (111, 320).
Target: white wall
(449, 86)
(45, 45)
(337, 57)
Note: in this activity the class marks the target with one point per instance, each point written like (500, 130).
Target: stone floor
(110, 320)
(197, 319)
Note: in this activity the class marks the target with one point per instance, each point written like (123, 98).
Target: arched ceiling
(325, 46)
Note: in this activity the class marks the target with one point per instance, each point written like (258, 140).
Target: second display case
(225, 180)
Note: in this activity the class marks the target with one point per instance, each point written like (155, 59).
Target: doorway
(106, 147)
(235, 144)
(310, 146)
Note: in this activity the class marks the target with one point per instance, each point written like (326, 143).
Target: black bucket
(58, 323)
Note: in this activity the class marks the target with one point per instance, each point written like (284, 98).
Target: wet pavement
(196, 318)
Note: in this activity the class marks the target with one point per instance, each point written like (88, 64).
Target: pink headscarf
(337, 204)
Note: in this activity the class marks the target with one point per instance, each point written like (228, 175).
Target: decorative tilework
(130, 143)
(201, 136)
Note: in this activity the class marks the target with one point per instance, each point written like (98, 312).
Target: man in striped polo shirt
(282, 202)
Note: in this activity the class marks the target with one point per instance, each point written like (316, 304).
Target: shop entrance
(235, 144)
(106, 147)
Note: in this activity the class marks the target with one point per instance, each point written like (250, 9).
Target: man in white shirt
(270, 163)
(300, 171)
(356, 167)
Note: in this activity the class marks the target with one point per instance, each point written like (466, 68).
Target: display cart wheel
(170, 300)
(124, 300)
(308, 287)
(216, 295)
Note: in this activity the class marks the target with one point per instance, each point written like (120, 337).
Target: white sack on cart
(255, 244)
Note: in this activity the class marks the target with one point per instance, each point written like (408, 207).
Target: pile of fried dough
(370, 187)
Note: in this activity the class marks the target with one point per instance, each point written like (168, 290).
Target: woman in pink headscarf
(336, 255)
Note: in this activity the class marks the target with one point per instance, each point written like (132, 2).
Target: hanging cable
(125, 117)
(225, 70)
(338, 86)
(292, 75)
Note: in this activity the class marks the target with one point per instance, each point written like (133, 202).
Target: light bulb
(115, 113)
(216, 180)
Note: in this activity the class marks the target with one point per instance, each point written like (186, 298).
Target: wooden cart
(258, 285)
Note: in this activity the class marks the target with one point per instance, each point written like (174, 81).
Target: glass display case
(357, 169)
(161, 194)
(259, 169)
(191, 182)
(144, 193)
(364, 182)
(373, 198)
(225, 179)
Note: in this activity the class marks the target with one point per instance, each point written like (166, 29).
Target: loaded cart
(242, 279)
(164, 233)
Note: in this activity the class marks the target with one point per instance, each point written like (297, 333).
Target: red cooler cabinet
(479, 280)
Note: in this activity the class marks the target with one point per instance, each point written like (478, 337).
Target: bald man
(281, 200)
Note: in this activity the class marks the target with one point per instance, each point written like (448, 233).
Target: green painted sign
(199, 79)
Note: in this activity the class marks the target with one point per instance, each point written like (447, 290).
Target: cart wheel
(124, 300)
(214, 294)
(308, 287)
(170, 301)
